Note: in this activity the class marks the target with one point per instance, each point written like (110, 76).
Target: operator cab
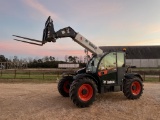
(106, 61)
(109, 67)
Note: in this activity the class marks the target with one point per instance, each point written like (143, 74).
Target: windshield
(92, 64)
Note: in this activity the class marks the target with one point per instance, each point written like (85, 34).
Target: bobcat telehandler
(105, 72)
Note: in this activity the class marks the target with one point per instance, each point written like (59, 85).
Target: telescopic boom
(49, 35)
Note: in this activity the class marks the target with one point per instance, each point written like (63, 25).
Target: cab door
(107, 69)
(121, 69)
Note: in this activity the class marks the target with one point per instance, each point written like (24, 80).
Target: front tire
(83, 92)
(64, 85)
(133, 88)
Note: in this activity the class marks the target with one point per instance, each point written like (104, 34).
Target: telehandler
(105, 72)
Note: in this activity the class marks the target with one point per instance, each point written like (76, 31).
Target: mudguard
(132, 75)
(81, 71)
(79, 76)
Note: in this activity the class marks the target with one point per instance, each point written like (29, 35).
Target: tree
(40, 61)
(46, 58)
(52, 58)
(35, 61)
(70, 58)
(30, 59)
(15, 59)
(2, 58)
(73, 59)
(87, 58)
(80, 59)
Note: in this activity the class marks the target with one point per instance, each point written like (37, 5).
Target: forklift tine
(28, 42)
(28, 38)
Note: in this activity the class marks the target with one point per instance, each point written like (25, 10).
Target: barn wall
(158, 62)
(136, 62)
(143, 62)
(153, 63)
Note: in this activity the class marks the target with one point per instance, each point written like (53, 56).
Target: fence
(149, 75)
(42, 74)
(54, 74)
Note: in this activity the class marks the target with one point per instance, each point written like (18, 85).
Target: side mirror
(133, 67)
(130, 67)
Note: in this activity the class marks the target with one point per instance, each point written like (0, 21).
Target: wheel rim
(135, 88)
(66, 86)
(85, 92)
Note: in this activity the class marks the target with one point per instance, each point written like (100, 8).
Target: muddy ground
(42, 101)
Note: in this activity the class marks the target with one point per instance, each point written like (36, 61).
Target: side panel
(120, 75)
(109, 77)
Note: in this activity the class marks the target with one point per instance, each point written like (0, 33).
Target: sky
(103, 22)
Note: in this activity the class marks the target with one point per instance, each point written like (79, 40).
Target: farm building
(140, 56)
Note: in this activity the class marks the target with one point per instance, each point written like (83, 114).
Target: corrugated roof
(136, 52)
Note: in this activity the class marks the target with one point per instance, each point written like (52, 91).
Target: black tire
(64, 85)
(133, 88)
(82, 92)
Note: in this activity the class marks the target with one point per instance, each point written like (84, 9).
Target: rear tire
(64, 85)
(82, 92)
(133, 88)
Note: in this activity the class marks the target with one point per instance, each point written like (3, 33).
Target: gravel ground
(42, 101)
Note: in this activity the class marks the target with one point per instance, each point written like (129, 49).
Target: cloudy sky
(104, 22)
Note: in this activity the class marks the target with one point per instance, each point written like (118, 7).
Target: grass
(26, 81)
(23, 76)
(152, 79)
(26, 78)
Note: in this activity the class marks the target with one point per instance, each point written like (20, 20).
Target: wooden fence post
(29, 73)
(144, 76)
(43, 75)
(58, 74)
(15, 72)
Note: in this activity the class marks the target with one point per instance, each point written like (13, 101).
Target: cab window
(120, 59)
(108, 62)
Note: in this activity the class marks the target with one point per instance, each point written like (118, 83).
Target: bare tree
(30, 59)
(66, 58)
